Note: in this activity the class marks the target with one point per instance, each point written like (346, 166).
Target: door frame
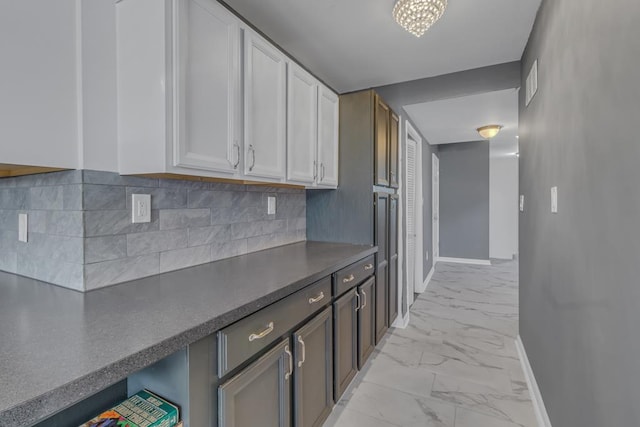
(435, 208)
(410, 132)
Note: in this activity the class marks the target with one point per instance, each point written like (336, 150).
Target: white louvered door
(411, 214)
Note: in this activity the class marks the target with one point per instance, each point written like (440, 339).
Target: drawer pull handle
(368, 267)
(348, 279)
(317, 298)
(288, 352)
(304, 352)
(262, 334)
(358, 306)
(364, 299)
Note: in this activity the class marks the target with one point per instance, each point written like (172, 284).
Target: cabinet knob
(368, 267)
(316, 298)
(348, 279)
(260, 335)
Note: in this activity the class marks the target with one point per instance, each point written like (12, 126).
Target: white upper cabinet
(327, 138)
(207, 71)
(178, 88)
(264, 109)
(302, 124)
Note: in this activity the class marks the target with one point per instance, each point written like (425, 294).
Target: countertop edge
(39, 408)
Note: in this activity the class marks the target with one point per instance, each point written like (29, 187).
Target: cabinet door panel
(260, 395)
(207, 87)
(313, 385)
(381, 135)
(345, 340)
(328, 113)
(393, 150)
(264, 109)
(366, 321)
(382, 304)
(301, 125)
(393, 258)
(381, 232)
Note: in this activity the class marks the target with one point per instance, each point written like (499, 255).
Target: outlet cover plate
(140, 208)
(271, 205)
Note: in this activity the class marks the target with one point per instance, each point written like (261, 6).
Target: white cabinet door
(264, 109)
(302, 114)
(207, 95)
(327, 138)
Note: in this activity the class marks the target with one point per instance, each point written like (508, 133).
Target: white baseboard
(424, 285)
(401, 322)
(538, 404)
(465, 261)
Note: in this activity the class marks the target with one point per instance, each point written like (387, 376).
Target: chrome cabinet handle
(237, 147)
(348, 279)
(253, 156)
(364, 299)
(315, 170)
(288, 352)
(262, 334)
(358, 306)
(317, 298)
(304, 352)
(368, 267)
(321, 171)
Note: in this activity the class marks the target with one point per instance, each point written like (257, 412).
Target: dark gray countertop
(58, 346)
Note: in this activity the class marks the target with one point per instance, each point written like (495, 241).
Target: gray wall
(81, 235)
(464, 200)
(579, 269)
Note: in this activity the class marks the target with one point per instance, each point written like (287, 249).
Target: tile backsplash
(81, 235)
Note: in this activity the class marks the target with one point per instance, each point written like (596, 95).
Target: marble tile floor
(455, 365)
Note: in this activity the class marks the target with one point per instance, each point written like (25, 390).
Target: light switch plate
(554, 199)
(522, 203)
(23, 227)
(271, 205)
(140, 208)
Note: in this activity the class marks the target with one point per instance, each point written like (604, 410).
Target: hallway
(455, 365)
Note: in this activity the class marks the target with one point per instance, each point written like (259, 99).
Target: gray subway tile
(9, 219)
(229, 249)
(258, 228)
(68, 275)
(184, 218)
(259, 243)
(59, 223)
(8, 182)
(183, 183)
(46, 198)
(156, 241)
(161, 198)
(50, 178)
(207, 235)
(295, 224)
(8, 253)
(183, 258)
(103, 197)
(72, 197)
(57, 248)
(14, 198)
(105, 223)
(105, 248)
(247, 198)
(295, 211)
(210, 199)
(224, 186)
(107, 273)
(112, 178)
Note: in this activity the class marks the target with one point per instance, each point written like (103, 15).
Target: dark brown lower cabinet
(345, 326)
(366, 321)
(393, 289)
(260, 395)
(381, 321)
(313, 378)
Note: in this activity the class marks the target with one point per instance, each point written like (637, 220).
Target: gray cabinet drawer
(247, 337)
(352, 275)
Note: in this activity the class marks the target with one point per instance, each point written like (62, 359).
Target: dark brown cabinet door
(313, 383)
(260, 395)
(381, 138)
(345, 341)
(393, 259)
(393, 150)
(366, 321)
(381, 234)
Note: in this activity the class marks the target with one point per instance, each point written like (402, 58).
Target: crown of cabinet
(200, 93)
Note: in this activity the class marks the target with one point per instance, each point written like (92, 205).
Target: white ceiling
(456, 120)
(356, 44)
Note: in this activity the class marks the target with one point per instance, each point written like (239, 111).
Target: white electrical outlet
(554, 199)
(140, 208)
(271, 205)
(23, 227)
(522, 203)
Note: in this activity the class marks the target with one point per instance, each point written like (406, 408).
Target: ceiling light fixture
(489, 131)
(417, 16)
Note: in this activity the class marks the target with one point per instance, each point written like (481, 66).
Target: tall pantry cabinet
(363, 210)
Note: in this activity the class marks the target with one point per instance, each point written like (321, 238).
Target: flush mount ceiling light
(489, 131)
(416, 16)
